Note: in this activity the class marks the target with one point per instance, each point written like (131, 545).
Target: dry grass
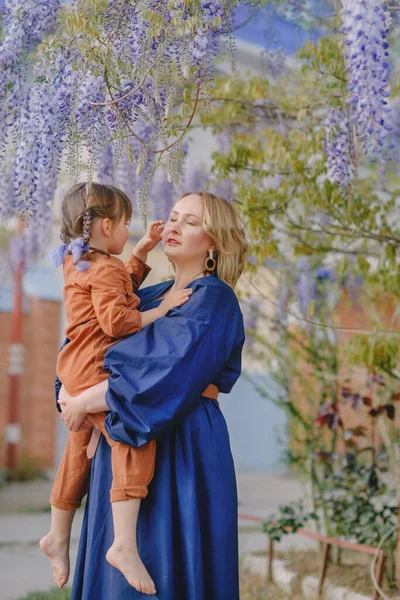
(353, 571)
(254, 587)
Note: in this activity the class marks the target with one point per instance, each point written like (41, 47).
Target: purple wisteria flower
(353, 281)
(194, 178)
(339, 147)
(163, 195)
(105, 166)
(25, 21)
(251, 309)
(365, 24)
(203, 48)
(283, 294)
(274, 61)
(306, 285)
(7, 188)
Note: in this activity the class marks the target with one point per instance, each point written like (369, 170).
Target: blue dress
(187, 528)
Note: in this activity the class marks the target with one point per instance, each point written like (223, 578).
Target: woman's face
(184, 240)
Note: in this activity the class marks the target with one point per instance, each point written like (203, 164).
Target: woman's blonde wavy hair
(222, 224)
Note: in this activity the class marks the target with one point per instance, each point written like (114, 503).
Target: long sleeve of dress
(158, 375)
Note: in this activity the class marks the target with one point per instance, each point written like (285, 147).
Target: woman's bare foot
(129, 563)
(58, 552)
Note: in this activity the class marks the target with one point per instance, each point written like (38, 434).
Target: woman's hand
(73, 410)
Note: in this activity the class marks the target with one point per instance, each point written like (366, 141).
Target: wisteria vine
(339, 146)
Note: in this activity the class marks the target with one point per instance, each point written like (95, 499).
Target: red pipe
(15, 365)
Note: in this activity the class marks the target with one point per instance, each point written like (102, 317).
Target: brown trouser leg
(72, 480)
(132, 469)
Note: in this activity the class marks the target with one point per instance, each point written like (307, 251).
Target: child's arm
(172, 300)
(137, 270)
(136, 265)
(116, 312)
(116, 317)
(149, 240)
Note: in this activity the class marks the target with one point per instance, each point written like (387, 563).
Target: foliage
(28, 469)
(291, 518)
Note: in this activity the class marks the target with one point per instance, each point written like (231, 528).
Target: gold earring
(211, 263)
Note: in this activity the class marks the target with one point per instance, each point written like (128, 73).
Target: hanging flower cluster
(25, 22)
(94, 84)
(339, 146)
(251, 309)
(365, 25)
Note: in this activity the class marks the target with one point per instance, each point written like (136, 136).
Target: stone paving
(24, 569)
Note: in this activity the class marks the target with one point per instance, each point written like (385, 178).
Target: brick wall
(38, 414)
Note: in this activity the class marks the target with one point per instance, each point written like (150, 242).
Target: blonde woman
(164, 387)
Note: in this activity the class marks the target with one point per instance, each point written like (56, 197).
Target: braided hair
(83, 204)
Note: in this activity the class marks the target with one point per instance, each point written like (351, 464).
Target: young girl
(101, 308)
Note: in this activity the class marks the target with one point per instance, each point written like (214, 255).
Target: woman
(187, 529)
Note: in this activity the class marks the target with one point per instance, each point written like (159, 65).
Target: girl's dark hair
(83, 204)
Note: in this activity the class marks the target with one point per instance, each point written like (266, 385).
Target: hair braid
(65, 235)
(87, 226)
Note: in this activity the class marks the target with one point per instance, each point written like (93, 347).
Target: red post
(15, 360)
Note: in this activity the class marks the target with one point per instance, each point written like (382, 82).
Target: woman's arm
(158, 375)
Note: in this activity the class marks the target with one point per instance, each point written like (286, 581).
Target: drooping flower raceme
(105, 166)
(306, 285)
(163, 196)
(339, 146)
(365, 25)
(251, 308)
(24, 23)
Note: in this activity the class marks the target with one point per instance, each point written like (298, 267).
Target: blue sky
(270, 31)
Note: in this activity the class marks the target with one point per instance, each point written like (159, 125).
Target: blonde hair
(222, 224)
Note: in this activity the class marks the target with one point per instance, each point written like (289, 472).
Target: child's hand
(149, 240)
(151, 237)
(175, 299)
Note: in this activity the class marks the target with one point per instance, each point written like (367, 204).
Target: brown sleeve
(137, 269)
(115, 308)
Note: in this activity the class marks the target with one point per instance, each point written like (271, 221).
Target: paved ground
(24, 569)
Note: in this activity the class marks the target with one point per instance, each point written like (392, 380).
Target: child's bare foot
(58, 552)
(129, 563)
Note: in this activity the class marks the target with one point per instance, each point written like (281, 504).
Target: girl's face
(119, 236)
(184, 239)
